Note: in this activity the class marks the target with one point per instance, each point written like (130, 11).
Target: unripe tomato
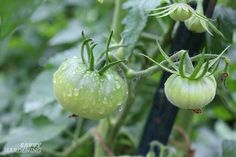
(181, 13)
(87, 93)
(196, 25)
(190, 94)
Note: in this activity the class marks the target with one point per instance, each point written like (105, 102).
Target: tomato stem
(156, 68)
(107, 48)
(117, 18)
(200, 7)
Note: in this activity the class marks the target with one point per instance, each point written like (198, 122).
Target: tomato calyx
(178, 11)
(184, 67)
(90, 62)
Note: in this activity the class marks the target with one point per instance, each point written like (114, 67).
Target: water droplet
(76, 92)
(118, 85)
(101, 110)
(119, 104)
(120, 108)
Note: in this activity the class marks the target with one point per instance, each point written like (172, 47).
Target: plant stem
(156, 68)
(224, 96)
(76, 143)
(72, 147)
(78, 128)
(200, 6)
(116, 23)
(100, 134)
(123, 115)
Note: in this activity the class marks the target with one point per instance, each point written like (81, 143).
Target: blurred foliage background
(36, 36)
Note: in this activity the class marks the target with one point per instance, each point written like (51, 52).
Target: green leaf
(229, 148)
(14, 13)
(41, 130)
(41, 92)
(226, 21)
(135, 21)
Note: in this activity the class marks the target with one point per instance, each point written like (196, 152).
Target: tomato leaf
(43, 85)
(135, 21)
(228, 148)
(14, 13)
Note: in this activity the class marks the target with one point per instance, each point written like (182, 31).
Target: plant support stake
(163, 114)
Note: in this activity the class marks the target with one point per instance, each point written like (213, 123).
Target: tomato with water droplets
(87, 93)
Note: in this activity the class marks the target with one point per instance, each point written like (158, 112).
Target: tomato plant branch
(78, 128)
(225, 98)
(123, 115)
(155, 68)
(71, 148)
(116, 23)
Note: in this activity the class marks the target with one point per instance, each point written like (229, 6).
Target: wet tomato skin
(190, 94)
(87, 93)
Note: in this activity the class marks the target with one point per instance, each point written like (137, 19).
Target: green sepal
(213, 27)
(204, 71)
(188, 64)
(199, 65)
(87, 45)
(213, 61)
(110, 49)
(91, 67)
(181, 65)
(215, 68)
(162, 66)
(82, 49)
(167, 58)
(109, 65)
(163, 13)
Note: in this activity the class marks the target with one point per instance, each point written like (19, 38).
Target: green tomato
(190, 94)
(181, 13)
(87, 93)
(196, 24)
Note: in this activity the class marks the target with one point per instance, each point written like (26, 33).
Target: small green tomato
(196, 24)
(181, 13)
(177, 11)
(190, 94)
(190, 87)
